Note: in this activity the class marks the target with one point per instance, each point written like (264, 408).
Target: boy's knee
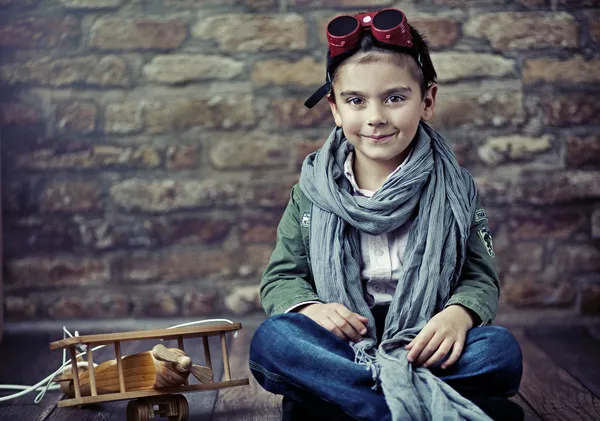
(271, 334)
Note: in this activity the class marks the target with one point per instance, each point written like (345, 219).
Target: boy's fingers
(430, 348)
(419, 343)
(355, 322)
(330, 326)
(345, 326)
(440, 353)
(456, 352)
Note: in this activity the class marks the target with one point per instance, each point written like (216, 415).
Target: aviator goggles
(388, 26)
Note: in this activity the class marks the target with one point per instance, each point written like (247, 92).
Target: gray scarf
(440, 195)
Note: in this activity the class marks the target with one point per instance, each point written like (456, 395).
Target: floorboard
(553, 392)
(574, 349)
(530, 414)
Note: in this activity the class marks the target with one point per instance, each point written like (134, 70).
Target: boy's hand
(337, 319)
(445, 331)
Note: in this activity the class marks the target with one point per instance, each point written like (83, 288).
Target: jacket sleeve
(287, 280)
(478, 288)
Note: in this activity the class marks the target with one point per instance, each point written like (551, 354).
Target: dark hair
(418, 61)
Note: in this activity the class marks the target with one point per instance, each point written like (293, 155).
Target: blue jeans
(292, 355)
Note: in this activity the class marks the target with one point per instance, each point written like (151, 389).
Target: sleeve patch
(486, 239)
(305, 222)
(480, 215)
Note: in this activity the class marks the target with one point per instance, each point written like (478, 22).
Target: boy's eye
(355, 101)
(395, 98)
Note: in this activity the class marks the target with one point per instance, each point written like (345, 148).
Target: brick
(80, 155)
(137, 34)
(18, 308)
(71, 197)
(260, 228)
(40, 32)
(104, 234)
(136, 195)
(253, 150)
(158, 304)
(493, 189)
(262, 32)
(439, 33)
(14, 4)
(194, 304)
(169, 195)
(574, 70)
(197, 3)
(596, 224)
(243, 300)
(534, 290)
(91, 4)
(216, 112)
(19, 114)
(67, 308)
(255, 260)
(291, 113)
(453, 66)
(45, 272)
(502, 108)
(103, 305)
(527, 29)
(374, 4)
(306, 148)
(567, 110)
(594, 25)
(572, 258)
(503, 149)
(538, 224)
(269, 195)
(93, 71)
(196, 231)
(520, 257)
(175, 266)
(124, 117)
(304, 72)
(77, 116)
(583, 151)
(180, 68)
(547, 188)
(590, 300)
(27, 235)
(182, 157)
(163, 116)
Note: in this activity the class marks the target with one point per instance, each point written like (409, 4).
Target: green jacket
(287, 279)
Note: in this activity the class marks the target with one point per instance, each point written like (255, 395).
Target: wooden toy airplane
(152, 378)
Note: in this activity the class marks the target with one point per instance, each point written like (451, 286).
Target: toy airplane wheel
(182, 407)
(138, 411)
(172, 407)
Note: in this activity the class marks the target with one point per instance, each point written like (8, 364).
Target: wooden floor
(561, 379)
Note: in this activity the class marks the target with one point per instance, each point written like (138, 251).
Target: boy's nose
(376, 117)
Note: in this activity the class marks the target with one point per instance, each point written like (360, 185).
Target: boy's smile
(379, 105)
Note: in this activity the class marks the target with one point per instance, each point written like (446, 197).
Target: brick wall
(148, 146)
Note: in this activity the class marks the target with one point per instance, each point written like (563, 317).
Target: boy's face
(378, 104)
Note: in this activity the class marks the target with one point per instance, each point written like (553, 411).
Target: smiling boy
(380, 290)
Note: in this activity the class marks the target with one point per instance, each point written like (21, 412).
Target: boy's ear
(334, 109)
(429, 102)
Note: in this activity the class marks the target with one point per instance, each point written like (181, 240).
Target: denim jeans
(292, 355)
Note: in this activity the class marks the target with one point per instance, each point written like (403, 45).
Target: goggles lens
(387, 19)
(342, 26)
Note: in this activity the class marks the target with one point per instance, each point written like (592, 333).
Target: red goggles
(388, 26)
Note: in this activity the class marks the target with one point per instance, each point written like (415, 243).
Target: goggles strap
(318, 95)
